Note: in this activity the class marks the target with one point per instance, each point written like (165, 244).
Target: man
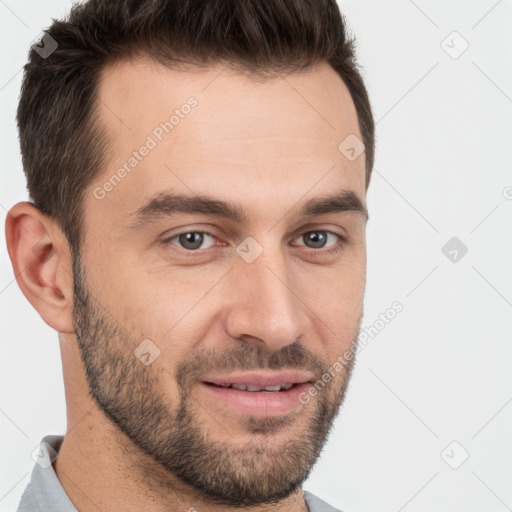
(196, 235)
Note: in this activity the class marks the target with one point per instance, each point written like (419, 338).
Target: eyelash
(316, 252)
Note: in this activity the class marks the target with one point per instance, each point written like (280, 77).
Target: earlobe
(41, 261)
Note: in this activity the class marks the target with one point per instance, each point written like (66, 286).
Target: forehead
(215, 131)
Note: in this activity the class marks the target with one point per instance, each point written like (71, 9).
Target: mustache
(249, 356)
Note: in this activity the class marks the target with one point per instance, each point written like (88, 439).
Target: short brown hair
(63, 148)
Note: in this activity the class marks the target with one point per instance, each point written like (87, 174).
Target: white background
(440, 371)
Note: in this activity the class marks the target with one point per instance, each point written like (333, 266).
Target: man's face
(172, 303)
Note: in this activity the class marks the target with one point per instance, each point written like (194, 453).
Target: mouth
(249, 387)
(259, 394)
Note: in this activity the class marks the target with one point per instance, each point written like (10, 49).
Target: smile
(258, 393)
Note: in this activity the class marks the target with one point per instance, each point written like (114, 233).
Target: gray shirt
(44, 492)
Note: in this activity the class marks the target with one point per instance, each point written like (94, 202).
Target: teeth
(250, 387)
(273, 388)
(253, 388)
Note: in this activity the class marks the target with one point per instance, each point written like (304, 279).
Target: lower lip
(259, 403)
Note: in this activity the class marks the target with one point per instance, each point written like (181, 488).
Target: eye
(191, 240)
(318, 240)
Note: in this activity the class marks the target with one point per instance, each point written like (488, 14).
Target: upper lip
(262, 379)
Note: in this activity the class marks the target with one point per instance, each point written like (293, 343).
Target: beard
(132, 397)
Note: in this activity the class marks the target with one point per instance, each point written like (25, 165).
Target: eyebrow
(166, 204)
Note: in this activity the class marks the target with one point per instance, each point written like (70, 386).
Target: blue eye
(190, 240)
(318, 242)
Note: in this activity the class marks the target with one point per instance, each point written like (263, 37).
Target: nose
(265, 306)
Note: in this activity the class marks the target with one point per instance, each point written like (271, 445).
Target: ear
(41, 260)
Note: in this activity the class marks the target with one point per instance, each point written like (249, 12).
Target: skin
(268, 146)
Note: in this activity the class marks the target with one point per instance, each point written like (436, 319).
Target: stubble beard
(130, 394)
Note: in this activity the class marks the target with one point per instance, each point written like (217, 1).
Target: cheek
(337, 290)
(171, 309)
(336, 304)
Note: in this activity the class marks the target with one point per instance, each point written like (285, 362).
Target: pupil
(316, 239)
(191, 240)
